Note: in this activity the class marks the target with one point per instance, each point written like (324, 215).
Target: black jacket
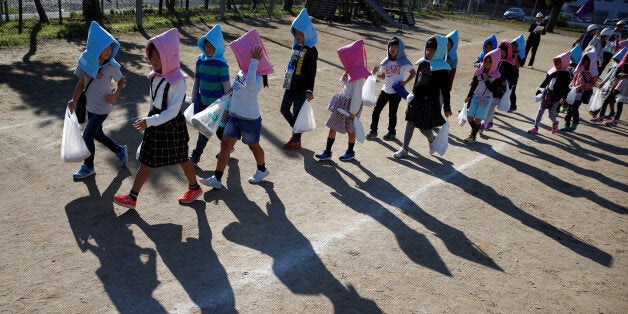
(305, 70)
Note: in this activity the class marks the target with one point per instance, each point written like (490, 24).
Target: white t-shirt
(100, 88)
(394, 73)
(245, 89)
(176, 94)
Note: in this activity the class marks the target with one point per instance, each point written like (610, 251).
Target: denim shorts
(247, 130)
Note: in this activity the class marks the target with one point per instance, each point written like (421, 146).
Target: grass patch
(74, 28)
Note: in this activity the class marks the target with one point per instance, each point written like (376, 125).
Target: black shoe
(389, 136)
(371, 135)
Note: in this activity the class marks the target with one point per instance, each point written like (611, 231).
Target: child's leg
(491, 111)
(513, 99)
(226, 145)
(382, 99)
(190, 173)
(92, 129)
(475, 127)
(552, 113)
(258, 153)
(539, 115)
(429, 134)
(392, 113)
(620, 107)
(575, 108)
(201, 143)
(569, 115)
(407, 136)
(286, 105)
(140, 178)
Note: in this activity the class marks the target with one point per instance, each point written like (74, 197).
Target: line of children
(395, 68)
(584, 79)
(618, 91)
(609, 93)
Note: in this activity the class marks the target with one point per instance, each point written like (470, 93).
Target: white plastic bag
(504, 102)
(137, 152)
(441, 141)
(462, 116)
(305, 120)
(73, 147)
(188, 114)
(359, 129)
(571, 96)
(369, 94)
(540, 95)
(596, 102)
(207, 121)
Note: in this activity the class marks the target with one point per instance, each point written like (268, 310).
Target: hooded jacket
(401, 59)
(562, 78)
(438, 60)
(492, 85)
(576, 53)
(586, 78)
(493, 41)
(168, 46)
(507, 69)
(304, 56)
(97, 40)
(353, 59)
(211, 78)
(452, 54)
(521, 43)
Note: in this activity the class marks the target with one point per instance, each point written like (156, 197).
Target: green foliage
(448, 5)
(74, 27)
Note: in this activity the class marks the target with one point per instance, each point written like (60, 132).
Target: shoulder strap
(90, 81)
(164, 99)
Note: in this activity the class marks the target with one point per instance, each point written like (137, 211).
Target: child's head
(430, 48)
(450, 44)
(105, 54)
(393, 48)
(606, 33)
(515, 46)
(504, 51)
(298, 36)
(154, 58)
(585, 61)
(558, 63)
(209, 48)
(488, 47)
(487, 64)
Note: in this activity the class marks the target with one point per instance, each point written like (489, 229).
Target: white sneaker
(258, 176)
(400, 153)
(212, 182)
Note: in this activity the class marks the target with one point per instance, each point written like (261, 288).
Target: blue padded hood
(490, 39)
(521, 42)
(97, 40)
(453, 52)
(576, 53)
(214, 36)
(401, 59)
(303, 23)
(620, 54)
(438, 60)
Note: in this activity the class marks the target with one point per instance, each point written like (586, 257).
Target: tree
(556, 7)
(287, 5)
(43, 18)
(91, 11)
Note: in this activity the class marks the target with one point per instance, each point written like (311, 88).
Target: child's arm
(195, 89)
(78, 89)
(310, 77)
(548, 78)
(410, 77)
(380, 75)
(443, 85)
(112, 98)
(474, 85)
(176, 94)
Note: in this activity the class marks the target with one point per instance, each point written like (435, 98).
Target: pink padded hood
(168, 46)
(495, 56)
(592, 64)
(241, 48)
(353, 58)
(564, 58)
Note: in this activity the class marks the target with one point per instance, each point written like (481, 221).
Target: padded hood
(438, 60)
(401, 59)
(576, 53)
(453, 52)
(97, 40)
(241, 48)
(592, 64)
(508, 46)
(564, 58)
(493, 41)
(495, 56)
(214, 36)
(303, 23)
(620, 54)
(168, 46)
(353, 58)
(521, 42)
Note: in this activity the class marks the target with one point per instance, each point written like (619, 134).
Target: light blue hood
(521, 42)
(214, 36)
(490, 39)
(402, 59)
(303, 23)
(620, 54)
(438, 60)
(453, 52)
(576, 53)
(97, 40)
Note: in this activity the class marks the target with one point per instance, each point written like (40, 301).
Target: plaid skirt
(337, 121)
(165, 144)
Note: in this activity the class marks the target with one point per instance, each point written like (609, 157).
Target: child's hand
(256, 52)
(375, 69)
(484, 76)
(72, 104)
(447, 114)
(344, 76)
(351, 116)
(561, 101)
(467, 100)
(140, 125)
(111, 98)
(309, 95)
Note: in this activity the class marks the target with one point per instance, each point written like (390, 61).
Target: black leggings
(382, 99)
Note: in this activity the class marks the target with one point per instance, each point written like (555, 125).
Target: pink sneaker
(190, 196)
(554, 128)
(533, 130)
(124, 200)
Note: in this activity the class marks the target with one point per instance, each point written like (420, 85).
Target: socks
(218, 174)
(195, 186)
(350, 149)
(330, 143)
(296, 137)
(262, 167)
(133, 195)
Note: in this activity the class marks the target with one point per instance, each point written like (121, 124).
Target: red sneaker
(124, 200)
(190, 196)
(292, 144)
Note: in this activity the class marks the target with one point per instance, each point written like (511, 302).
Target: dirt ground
(512, 223)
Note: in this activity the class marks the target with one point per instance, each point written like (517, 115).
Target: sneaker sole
(83, 177)
(346, 159)
(124, 205)
(188, 202)
(209, 185)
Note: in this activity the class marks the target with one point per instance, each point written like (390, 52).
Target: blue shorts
(478, 109)
(247, 130)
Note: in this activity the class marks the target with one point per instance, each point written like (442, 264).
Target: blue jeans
(93, 131)
(290, 98)
(247, 130)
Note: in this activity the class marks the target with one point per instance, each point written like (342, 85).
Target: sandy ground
(512, 223)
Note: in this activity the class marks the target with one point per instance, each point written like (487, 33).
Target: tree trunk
(161, 6)
(553, 18)
(187, 5)
(171, 4)
(287, 5)
(91, 11)
(43, 18)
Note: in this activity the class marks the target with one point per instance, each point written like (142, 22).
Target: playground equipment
(395, 13)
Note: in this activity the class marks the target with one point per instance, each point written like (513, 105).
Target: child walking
(584, 79)
(621, 89)
(485, 82)
(395, 68)
(211, 81)
(165, 140)
(490, 44)
(300, 73)
(353, 58)
(508, 75)
(519, 56)
(245, 119)
(431, 82)
(96, 69)
(452, 55)
(556, 88)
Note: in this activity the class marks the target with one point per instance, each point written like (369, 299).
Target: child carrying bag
(73, 147)
(369, 94)
(462, 116)
(208, 120)
(305, 120)
(441, 141)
